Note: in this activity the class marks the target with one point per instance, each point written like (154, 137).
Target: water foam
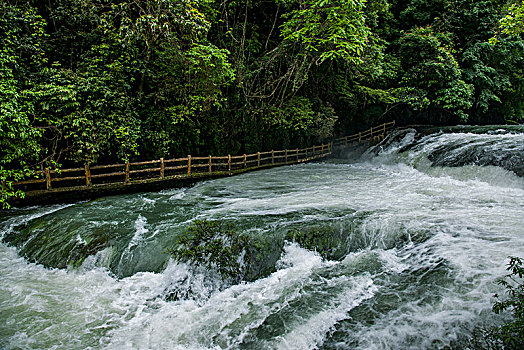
(23, 216)
(425, 244)
(229, 317)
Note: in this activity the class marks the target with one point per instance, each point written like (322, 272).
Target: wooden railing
(187, 167)
(375, 133)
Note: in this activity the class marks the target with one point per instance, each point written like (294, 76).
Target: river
(397, 247)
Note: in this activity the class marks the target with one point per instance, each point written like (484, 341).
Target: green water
(397, 248)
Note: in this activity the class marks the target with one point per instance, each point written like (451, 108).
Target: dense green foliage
(110, 80)
(513, 22)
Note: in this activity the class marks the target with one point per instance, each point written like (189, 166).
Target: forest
(100, 81)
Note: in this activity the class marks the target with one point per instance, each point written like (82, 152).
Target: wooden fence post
(229, 163)
(258, 159)
(285, 156)
(210, 165)
(322, 150)
(189, 165)
(297, 154)
(245, 161)
(47, 179)
(272, 157)
(126, 179)
(88, 175)
(162, 168)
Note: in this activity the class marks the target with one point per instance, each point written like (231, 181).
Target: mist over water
(396, 248)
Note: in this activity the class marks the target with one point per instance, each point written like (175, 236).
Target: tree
(20, 32)
(513, 22)
(433, 78)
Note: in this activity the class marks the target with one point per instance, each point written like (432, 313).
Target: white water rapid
(398, 248)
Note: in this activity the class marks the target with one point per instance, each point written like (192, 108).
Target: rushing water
(397, 248)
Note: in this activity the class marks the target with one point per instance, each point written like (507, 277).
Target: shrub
(511, 333)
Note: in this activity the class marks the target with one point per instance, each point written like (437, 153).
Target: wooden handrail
(145, 163)
(175, 160)
(190, 166)
(98, 167)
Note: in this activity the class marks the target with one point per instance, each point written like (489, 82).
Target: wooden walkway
(102, 179)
